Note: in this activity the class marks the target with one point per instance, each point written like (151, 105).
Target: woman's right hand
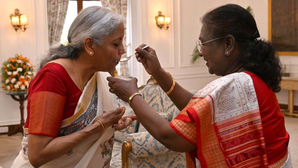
(149, 59)
(112, 117)
(122, 88)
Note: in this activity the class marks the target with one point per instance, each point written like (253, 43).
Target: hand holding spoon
(128, 57)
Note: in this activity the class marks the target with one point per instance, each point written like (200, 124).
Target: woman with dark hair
(71, 114)
(234, 121)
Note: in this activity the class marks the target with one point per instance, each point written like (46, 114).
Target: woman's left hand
(123, 88)
(125, 122)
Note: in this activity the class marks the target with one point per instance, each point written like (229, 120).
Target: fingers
(142, 47)
(135, 80)
(113, 115)
(111, 83)
(119, 126)
(128, 121)
(111, 79)
(121, 111)
(123, 123)
(141, 51)
(133, 117)
(115, 84)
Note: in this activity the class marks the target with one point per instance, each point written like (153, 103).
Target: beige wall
(32, 44)
(174, 46)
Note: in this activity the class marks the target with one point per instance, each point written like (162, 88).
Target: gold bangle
(101, 123)
(172, 87)
(132, 96)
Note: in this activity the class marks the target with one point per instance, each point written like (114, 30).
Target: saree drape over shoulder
(231, 121)
(46, 107)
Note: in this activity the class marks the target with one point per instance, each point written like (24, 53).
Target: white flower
(19, 61)
(19, 69)
(16, 86)
(13, 80)
(23, 87)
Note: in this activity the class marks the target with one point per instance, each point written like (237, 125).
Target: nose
(121, 49)
(200, 54)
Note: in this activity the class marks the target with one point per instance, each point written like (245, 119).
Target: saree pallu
(94, 151)
(223, 120)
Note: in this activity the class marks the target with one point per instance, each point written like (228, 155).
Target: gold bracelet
(172, 87)
(132, 96)
(101, 123)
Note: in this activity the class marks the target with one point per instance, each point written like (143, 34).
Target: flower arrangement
(17, 72)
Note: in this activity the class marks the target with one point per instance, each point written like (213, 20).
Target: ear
(89, 45)
(229, 44)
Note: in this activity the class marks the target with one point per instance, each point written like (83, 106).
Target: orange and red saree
(224, 121)
(96, 150)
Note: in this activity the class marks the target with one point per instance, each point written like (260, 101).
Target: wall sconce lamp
(162, 21)
(18, 21)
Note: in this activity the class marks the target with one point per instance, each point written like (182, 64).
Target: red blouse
(275, 134)
(52, 97)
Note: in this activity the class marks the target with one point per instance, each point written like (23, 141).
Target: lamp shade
(167, 20)
(15, 20)
(161, 20)
(23, 20)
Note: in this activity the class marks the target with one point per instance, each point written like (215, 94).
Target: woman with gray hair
(71, 116)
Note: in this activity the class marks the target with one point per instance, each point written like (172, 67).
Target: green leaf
(195, 55)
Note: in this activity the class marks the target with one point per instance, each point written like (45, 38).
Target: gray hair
(95, 22)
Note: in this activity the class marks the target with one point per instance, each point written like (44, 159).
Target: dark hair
(95, 22)
(258, 56)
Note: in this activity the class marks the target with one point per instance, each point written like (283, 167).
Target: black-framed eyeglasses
(200, 44)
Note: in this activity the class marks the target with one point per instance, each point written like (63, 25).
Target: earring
(91, 53)
(227, 52)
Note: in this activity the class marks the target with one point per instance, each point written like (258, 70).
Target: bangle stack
(102, 124)
(132, 96)
(172, 87)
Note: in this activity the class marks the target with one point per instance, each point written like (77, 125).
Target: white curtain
(120, 7)
(56, 16)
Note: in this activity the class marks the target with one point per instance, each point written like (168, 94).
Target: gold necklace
(81, 85)
(240, 69)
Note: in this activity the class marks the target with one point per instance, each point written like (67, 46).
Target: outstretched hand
(148, 58)
(112, 117)
(125, 122)
(122, 88)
